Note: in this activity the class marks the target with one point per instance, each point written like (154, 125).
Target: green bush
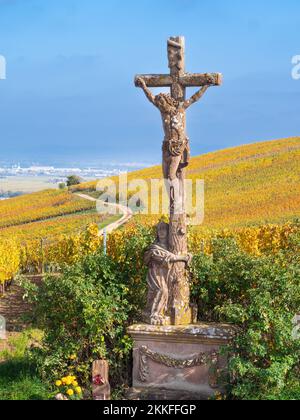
(73, 180)
(87, 309)
(84, 312)
(261, 296)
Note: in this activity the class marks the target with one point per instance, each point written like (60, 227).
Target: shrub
(73, 180)
(86, 312)
(261, 296)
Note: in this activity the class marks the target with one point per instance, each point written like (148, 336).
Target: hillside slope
(45, 214)
(245, 185)
(40, 206)
(49, 214)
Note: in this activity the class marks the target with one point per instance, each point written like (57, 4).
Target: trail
(126, 212)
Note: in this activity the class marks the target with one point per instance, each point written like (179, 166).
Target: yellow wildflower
(70, 392)
(68, 381)
(58, 383)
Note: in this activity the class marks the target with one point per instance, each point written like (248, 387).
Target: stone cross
(171, 290)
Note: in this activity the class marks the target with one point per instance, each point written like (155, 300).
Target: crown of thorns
(168, 98)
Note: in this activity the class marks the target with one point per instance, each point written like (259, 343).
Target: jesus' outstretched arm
(142, 84)
(198, 95)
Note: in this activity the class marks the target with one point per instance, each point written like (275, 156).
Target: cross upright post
(173, 296)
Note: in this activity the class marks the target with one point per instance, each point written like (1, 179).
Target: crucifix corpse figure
(176, 148)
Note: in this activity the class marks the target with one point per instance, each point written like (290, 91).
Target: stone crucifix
(168, 279)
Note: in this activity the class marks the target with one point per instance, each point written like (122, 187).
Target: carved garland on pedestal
(201, 359)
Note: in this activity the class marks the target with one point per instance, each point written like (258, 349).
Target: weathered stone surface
(188, 80)
(178, 359)
(216, 332)
(158, 394)
(176, 156)
(100, 380)
(159, 261)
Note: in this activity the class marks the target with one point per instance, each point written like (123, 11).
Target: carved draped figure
(158, 259)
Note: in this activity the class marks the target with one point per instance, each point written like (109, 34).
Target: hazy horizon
(65, 162)
(69, 93)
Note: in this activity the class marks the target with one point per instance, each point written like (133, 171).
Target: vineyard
(52, 228)
(245, 269)
(40, 206)
(252, 195)
(35, 227)
(35, 255)
(247, 185)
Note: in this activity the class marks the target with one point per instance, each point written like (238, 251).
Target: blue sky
(69, 93)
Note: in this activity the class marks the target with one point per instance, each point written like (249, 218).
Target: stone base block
(174, 361)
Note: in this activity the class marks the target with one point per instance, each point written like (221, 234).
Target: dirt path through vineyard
(125, 211)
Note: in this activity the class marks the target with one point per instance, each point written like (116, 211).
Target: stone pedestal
(178, 362)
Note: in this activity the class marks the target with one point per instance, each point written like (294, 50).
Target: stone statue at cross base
(159, 261)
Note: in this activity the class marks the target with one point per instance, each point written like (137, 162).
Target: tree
(61, 185)
(73, 180)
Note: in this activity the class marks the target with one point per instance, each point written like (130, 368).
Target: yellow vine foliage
(256, 240)
(253, 240)
(9, 260)
(64, 249)
(52, 228)
(252, 184)
(251, 194)
(41, 206)
(68, 249)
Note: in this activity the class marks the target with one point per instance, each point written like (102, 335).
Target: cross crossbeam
(188, 80)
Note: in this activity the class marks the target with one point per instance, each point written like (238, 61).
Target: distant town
(59, 173)
(20, 179)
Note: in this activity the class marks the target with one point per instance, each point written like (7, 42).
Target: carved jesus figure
(176, 148)
(159, 261)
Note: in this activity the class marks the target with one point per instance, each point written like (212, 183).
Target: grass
(18, 375)
(109, 221)
(19, 381)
